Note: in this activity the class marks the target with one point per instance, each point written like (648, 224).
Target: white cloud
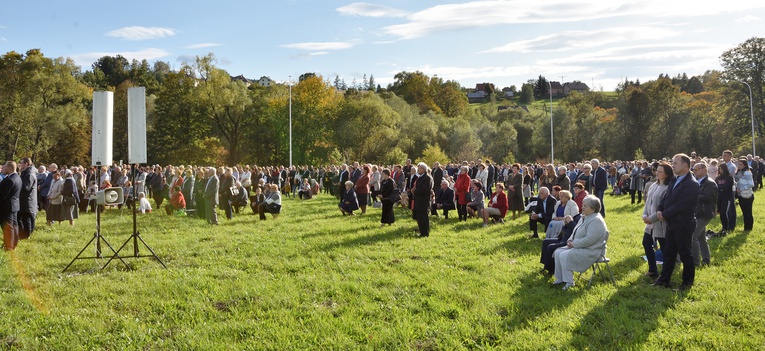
(577, 40)
(370, 10)
(494, 72)
(87, 59)
(203, 45)
(645, 55)
(141, 33)
(748, 18)
(494, 12)
(3, 39)
(320, 46)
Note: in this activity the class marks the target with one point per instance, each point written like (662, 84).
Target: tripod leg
(80, 253)
(150, 250)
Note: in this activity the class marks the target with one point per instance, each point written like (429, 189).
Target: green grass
(314, 280)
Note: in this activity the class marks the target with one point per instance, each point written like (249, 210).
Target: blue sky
(504, 42)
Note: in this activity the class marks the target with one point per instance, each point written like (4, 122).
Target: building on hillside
(477, 96)
(241, 78)
(574, 86)
(264, 81)
(556, 88)
(508, 92)
(485, 87)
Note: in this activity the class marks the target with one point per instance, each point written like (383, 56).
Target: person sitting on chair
(177, 201)
(476, 204)
(497, 206)
(444, 200)
(586, 245)
(543, 211)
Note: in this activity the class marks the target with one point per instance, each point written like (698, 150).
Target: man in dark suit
(444, 200)
(10, 190)
(705, 211)
(356, 173)
(211, 196)
(422, 187)
(344, 176)
(599, 181)
(438, 175)
(187, 188)
(543, 212)
(491, 177)
(27, 198)
(677, 209)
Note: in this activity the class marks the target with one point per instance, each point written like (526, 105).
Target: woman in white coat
(482, 175)
(654, 228)
(586, 245)
(564, 207)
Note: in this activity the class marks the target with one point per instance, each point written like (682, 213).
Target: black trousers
(533, 224)
(423, 221)
(445, 207)
(678, 241)
(462, 212)
(26, 224)
(746, 211)
(548, 248)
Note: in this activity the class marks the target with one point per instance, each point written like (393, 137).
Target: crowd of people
(681, 196)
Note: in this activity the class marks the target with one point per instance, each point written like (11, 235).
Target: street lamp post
(751, 111)
(552, 142)
(290, 82)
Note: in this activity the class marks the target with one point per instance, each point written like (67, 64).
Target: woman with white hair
(586, 245)
(350, 201)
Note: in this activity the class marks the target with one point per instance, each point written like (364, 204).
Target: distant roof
(577, 86)
(555, 85)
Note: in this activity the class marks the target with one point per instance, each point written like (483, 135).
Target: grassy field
(315, 280)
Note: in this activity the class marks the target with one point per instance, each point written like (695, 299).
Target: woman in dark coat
(226, 183)
(69, 212)
(515, 191)
(386, 190)
(349, 201)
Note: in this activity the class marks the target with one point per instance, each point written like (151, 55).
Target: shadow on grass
(534, 298)
(727, 247)
(360, 240)
(624, 321)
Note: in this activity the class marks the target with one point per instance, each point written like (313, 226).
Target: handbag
(376, 204)
(68, 200)
(395, 196)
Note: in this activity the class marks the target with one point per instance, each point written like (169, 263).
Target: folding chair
(602, 260)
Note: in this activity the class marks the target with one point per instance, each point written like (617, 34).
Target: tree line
(199, 115)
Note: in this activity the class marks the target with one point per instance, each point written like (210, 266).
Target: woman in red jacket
(362, 188)
(177, 201)
(462, 192)
(497, 206)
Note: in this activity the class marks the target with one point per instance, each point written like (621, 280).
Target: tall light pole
(751, 110)
(552, 142)
(290, 121)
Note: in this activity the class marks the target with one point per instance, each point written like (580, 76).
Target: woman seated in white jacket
(586, 245)
(564, 207)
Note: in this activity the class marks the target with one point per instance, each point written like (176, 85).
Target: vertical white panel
(137, 125)
(103, 120)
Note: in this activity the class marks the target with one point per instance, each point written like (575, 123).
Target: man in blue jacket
(678, 209)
